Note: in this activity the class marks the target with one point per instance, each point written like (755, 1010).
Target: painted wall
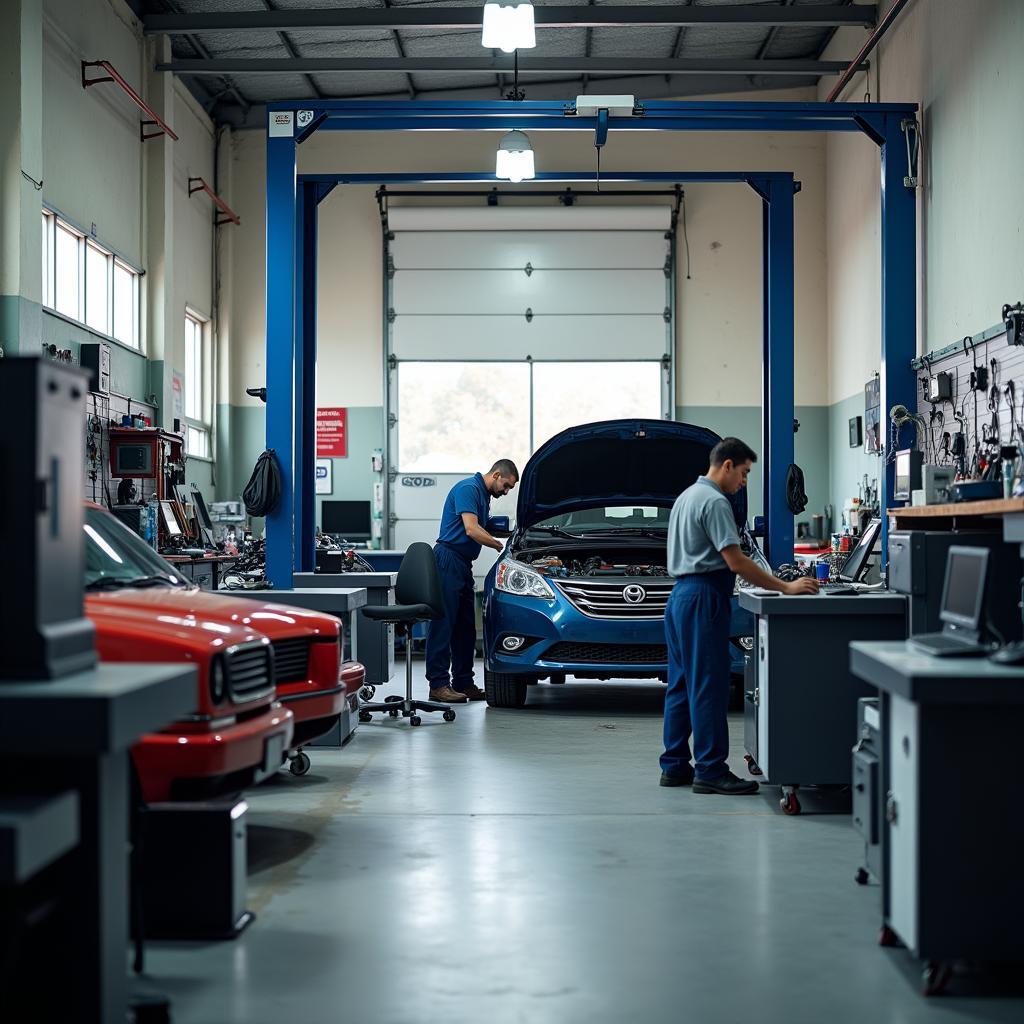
(960, 61)
(94, 172)
(719, 322)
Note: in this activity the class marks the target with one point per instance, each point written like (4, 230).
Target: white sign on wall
(324, 476)
(282, 123)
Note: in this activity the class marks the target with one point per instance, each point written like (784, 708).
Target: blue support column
(281, 210)
(778, 369)
(766, 402)
(899, 298)
(305, 377)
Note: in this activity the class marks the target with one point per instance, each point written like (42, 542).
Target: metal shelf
(199, 185)
(113, 75)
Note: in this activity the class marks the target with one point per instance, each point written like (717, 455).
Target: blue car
(581, 586)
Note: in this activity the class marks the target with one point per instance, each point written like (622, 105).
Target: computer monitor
(170, 520)
(349, 520)
(963, 592)
(856, 566)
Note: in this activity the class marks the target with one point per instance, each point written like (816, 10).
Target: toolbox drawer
(865, 795)
(750, 706)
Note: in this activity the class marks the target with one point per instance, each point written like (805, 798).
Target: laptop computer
(856, 566)
(963, 598)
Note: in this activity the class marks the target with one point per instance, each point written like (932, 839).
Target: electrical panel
(95, 357)
(939, 388)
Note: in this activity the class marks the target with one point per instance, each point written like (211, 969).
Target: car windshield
(115, 557)
(618, 519)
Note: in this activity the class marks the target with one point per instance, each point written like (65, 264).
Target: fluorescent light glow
(107, 549)
(509, 27)
(515, 158)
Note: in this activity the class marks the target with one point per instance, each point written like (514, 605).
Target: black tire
(415, 720)
(365, 716)
(299, 764)
(449, 715)
(505, 690)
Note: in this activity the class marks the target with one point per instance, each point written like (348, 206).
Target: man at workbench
(704, 556)
(451, 641)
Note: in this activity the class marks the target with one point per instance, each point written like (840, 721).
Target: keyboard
(941, 643)
(837, 589)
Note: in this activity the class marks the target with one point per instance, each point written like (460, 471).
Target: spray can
(1007, 478)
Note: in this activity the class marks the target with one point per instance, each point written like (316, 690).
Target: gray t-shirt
(700, 526)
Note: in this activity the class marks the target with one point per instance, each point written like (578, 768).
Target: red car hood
(192, 609)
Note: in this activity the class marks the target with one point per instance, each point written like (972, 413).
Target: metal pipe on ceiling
(857, 63)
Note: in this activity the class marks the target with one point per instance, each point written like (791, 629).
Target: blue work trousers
(451, 641)
(697, 699)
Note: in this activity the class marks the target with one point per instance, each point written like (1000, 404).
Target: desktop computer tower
(194, 870)
(42, 446)
(917, 568)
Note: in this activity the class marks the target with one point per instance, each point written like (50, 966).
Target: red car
(270, 677)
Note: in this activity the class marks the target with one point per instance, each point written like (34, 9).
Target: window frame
(203, 424)
(52, 222)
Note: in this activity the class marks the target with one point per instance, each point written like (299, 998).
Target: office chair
(419, 599)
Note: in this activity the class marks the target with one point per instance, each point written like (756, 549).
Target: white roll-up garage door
(517, 287)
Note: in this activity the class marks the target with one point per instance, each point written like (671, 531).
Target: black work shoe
(725, 785)
(675, 780)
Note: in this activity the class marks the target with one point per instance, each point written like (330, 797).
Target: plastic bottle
(1007, 478)
(151, 522)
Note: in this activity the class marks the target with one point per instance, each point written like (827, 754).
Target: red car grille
(291, 659)
(250, 672)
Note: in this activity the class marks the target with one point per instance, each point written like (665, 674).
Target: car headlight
(218, 680)
(515, 578)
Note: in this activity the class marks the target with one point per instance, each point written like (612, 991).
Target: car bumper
(177, 763)
(558, 634)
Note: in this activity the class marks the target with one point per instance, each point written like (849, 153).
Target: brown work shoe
(446, 695)
(473, 692)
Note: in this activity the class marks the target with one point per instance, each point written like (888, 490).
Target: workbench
(949, 795)
(373, 643)
(800, 707)
(338, 601)
(206, 571)
(955, 516)
(72, 734)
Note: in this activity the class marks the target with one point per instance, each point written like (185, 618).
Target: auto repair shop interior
(359, 367)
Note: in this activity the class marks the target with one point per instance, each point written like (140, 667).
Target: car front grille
(291, 659)
(636, 597)
(250, 672)
(568, 653)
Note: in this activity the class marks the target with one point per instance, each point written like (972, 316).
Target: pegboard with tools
(970, 409)
(101, 413)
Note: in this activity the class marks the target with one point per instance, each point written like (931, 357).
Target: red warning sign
(332, 433)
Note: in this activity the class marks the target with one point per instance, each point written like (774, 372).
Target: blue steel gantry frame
(292, 202)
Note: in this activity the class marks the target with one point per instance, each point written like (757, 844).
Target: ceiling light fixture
(515, 158)
(508, 27)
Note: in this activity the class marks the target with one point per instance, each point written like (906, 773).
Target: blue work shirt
(700, 526)
(469, 495)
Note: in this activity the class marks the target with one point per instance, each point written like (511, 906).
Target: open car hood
(616, 463)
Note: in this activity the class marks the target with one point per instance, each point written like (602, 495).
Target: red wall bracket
(113, 75)
(230, 217)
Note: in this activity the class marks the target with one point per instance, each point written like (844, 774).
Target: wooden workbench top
(910, 515)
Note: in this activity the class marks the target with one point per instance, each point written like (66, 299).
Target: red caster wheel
(790, 804)
(752, 765)
(888, 938)
(934, 978)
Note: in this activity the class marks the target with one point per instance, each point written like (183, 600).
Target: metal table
(373, 643)
(800, 708)
(73, 734)
(948, 797)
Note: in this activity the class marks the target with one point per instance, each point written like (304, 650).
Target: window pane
(47, 262)
(124, 305)
(193, 370)
(566, 394)
(197, 442)
(460, 417)
(68, 273)
(97, 279)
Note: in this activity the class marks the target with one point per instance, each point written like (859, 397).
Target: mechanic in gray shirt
(704, 556)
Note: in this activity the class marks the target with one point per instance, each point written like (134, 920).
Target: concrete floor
(524, 866)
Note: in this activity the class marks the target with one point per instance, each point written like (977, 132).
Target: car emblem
(634, 594)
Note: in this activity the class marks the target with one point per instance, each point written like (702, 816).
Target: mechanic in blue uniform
(451, 641)
(704, 556)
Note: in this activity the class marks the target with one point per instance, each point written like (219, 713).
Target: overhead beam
(492, 65)
(554, 16)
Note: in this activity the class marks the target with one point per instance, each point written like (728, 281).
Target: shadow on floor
(269, 846)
